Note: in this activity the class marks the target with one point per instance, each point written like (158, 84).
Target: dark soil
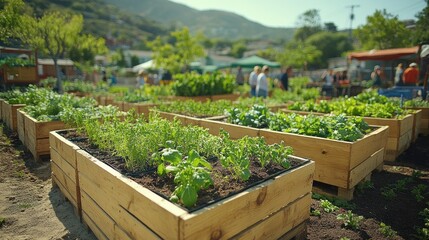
(224, 184)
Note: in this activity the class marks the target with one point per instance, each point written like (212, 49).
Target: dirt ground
(30, 208)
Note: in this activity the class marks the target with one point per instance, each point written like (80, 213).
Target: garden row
(344, 150)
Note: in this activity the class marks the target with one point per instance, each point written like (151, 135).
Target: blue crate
(402, 92)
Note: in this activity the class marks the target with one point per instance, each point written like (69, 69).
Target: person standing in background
(262, 83)
(411, 75)
(253, 79)
(284, 78)
(398, 75)
(239, 79)
(376, 76)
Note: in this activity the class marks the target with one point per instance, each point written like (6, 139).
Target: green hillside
(213, 23)
(106, 20)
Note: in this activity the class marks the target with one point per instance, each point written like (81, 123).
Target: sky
(284, 13)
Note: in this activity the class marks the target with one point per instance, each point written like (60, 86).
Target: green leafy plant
(315, 212)
(364, 185)
(196, 109)
(191, 174)
(419, 192)
(194, 84)
(350, 220)
(328, 206)
(387, 230)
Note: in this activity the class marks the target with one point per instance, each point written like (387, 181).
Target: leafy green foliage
(52, 108)
(419, 192)
(196, 109)
(381, 24)
(194, 84)
(16, 62)
(191, 174)
(179, 53)
(368, 104)
(350, 219)
(328, 206)
(338, 127)
(387, 230)
(416, 103)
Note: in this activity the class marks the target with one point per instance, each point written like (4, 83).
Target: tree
(238, 49)
(86, 48)
(299, 54)
(330, 27)
(330, 44)
(383, 31)
(309, 23)
(422, 25)
(175, 55)
(268, 53)
(10, 18)
(55, 34)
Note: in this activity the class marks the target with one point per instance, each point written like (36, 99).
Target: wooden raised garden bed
(399, 137)
(231, 97)
(338, 163)
(9, 114)
(424, 124)
(116, 207)
(106, 100)
(400, 132)
(36, 134)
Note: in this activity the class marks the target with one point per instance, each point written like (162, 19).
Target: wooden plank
(1, 109)
(281, 222)
(247, 208)
(404, 142)
(332, 157)
(365, 168)
(64, 148)
(172, 116)
(397, 127)
(119, 104)
(64, 185)
(20, 126)
(43, 128)
(231, 97)
(101, 221)
(417, 120)
(285, 110)
(151, 209)
(297, 233)
(368, 145)
(235, 131)
(62, 164)
(112, 209)
(93, 227)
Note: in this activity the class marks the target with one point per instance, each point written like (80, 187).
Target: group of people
(407, 77)
(258, 80)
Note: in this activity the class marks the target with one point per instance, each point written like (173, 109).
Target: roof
(61, 62)
(253, 61)
(386, 54)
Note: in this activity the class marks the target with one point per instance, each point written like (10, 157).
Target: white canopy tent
(144, 66)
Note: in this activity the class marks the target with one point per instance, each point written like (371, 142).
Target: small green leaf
(161, 169)
(245, 174)
(189, 196)
(171, 155)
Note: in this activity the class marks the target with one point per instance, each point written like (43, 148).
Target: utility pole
(352, 16)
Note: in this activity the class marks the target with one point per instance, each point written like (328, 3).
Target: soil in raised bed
(224, 184)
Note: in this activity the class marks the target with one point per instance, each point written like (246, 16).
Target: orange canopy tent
(383, 55)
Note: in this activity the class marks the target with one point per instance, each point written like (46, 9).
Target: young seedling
(350, 219)
(328, 206)
(387, 230)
